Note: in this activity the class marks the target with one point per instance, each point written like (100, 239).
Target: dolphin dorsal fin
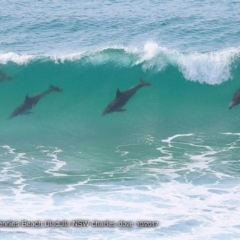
(118, 93)
(27, 98)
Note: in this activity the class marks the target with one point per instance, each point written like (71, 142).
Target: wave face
(190, 92)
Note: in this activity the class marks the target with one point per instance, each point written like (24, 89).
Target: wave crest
(210, 67)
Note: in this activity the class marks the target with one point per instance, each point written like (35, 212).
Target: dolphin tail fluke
(54, 88)
(144, 83)
(8, 78)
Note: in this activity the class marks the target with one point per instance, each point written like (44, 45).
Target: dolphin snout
(231, 104)
(104, 112)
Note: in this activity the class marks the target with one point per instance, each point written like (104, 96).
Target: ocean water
(171, 158)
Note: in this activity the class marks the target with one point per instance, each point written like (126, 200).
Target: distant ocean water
(171, 157)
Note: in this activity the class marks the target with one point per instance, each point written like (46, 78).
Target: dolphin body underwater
(235, 100)
(29, 102)
(123, 97)
(4, 77)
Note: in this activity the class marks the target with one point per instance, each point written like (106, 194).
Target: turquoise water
(171, 157)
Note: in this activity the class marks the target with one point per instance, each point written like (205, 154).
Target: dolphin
(235, 100)
(4, 77)
(122, 98)
(29, 102)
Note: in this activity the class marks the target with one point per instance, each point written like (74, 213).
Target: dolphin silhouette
(4, 77)
(235, 100)
(29, 102)
(123, 97)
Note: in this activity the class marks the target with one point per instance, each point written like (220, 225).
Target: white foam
(211, 67)
(61, 58)
(169, 139)
(14, 57)
(10, 150)
(169, 193)
(72, 187)
(58, 163)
